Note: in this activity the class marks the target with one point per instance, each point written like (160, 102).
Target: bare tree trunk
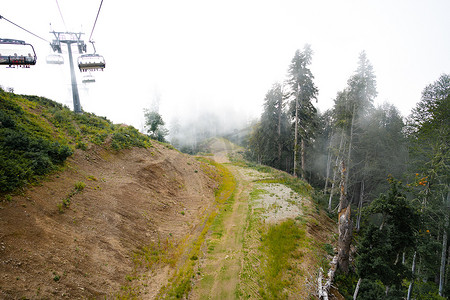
(345, 225)
(361, 199)
(444, 246)
(350, 147)
(345, 239)
(343, 200)
(335, 170)
(296, 132)
(332, 187)
(280, 112)
(328, 170)
(413, 269)
(302, 151)
(355, 294)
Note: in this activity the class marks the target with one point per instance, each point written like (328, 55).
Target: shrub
(28, 147)
(79, 186)
(128, 137)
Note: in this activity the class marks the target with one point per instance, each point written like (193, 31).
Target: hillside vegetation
(90, 209)
(87, 206)
(37, 135)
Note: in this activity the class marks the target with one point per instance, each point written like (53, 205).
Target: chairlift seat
(88, 78)
(91, 62)
(55, 59)
(16, 53)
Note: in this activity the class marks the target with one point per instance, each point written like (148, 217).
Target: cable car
(91, 62)
(16, 53)
(88, 78)
(55, 59)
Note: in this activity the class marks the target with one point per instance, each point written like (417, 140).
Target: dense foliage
(37, 135)
(154, 125)
(393, 172)
(27, 146)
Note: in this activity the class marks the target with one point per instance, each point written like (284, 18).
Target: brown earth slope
(133, 198)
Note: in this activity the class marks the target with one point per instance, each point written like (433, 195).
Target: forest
(382, 176)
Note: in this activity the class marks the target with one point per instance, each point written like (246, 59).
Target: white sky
(225, 55)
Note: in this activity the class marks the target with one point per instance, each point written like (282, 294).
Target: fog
(213, 60)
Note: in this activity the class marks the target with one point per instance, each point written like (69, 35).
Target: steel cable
(60, 13)
(92, 32)
(1, 17)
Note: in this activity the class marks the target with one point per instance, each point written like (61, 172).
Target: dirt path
(221, 268)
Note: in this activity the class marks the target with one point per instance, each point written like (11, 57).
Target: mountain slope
(81, 232)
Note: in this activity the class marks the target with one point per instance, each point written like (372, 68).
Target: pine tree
(351, 106)
(429, 135)
(303, 91)
(268, 139)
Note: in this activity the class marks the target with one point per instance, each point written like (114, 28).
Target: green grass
(181, 282)
(65, 203)
(37, 135)
(273, 253)
(279, 244)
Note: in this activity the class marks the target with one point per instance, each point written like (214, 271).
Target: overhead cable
(1, 17)
(90, 37)
(60, 13)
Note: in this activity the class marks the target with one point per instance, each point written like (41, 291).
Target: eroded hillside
(125, 217)
(131, 199)
(85, 226)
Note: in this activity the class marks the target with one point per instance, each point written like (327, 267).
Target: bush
(79, 186)
(27, 146)
(128, 137)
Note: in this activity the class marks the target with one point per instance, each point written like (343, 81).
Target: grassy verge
(281, 247)
(181, 283)
(279, 259)
(272, 254)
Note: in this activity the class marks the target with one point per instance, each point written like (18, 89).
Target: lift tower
(70, 38)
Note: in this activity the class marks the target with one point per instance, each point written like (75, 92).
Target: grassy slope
(38, 134)
(291, 252)
(169, 190)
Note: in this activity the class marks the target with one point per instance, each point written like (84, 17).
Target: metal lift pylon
(70, 38)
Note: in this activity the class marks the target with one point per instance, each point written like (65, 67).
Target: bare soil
(230, 268)
(132, 199)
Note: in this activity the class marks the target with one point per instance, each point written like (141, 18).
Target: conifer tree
(303, 91)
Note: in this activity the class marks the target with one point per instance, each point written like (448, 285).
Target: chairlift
(16, 53)
(91, 62)
(88, 78)
(55, 59)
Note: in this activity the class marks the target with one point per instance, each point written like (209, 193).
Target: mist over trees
(189, 131)
(385, 176)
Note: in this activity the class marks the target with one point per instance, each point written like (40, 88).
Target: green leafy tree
(154, 124)
(380, 248)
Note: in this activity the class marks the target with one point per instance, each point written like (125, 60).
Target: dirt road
(221, 268)
(229, 268)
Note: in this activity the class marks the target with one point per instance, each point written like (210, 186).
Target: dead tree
(345, 224)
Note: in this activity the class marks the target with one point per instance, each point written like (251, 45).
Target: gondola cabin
(89, 78)
(91, 62)
(16, 53)
(55, 59)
